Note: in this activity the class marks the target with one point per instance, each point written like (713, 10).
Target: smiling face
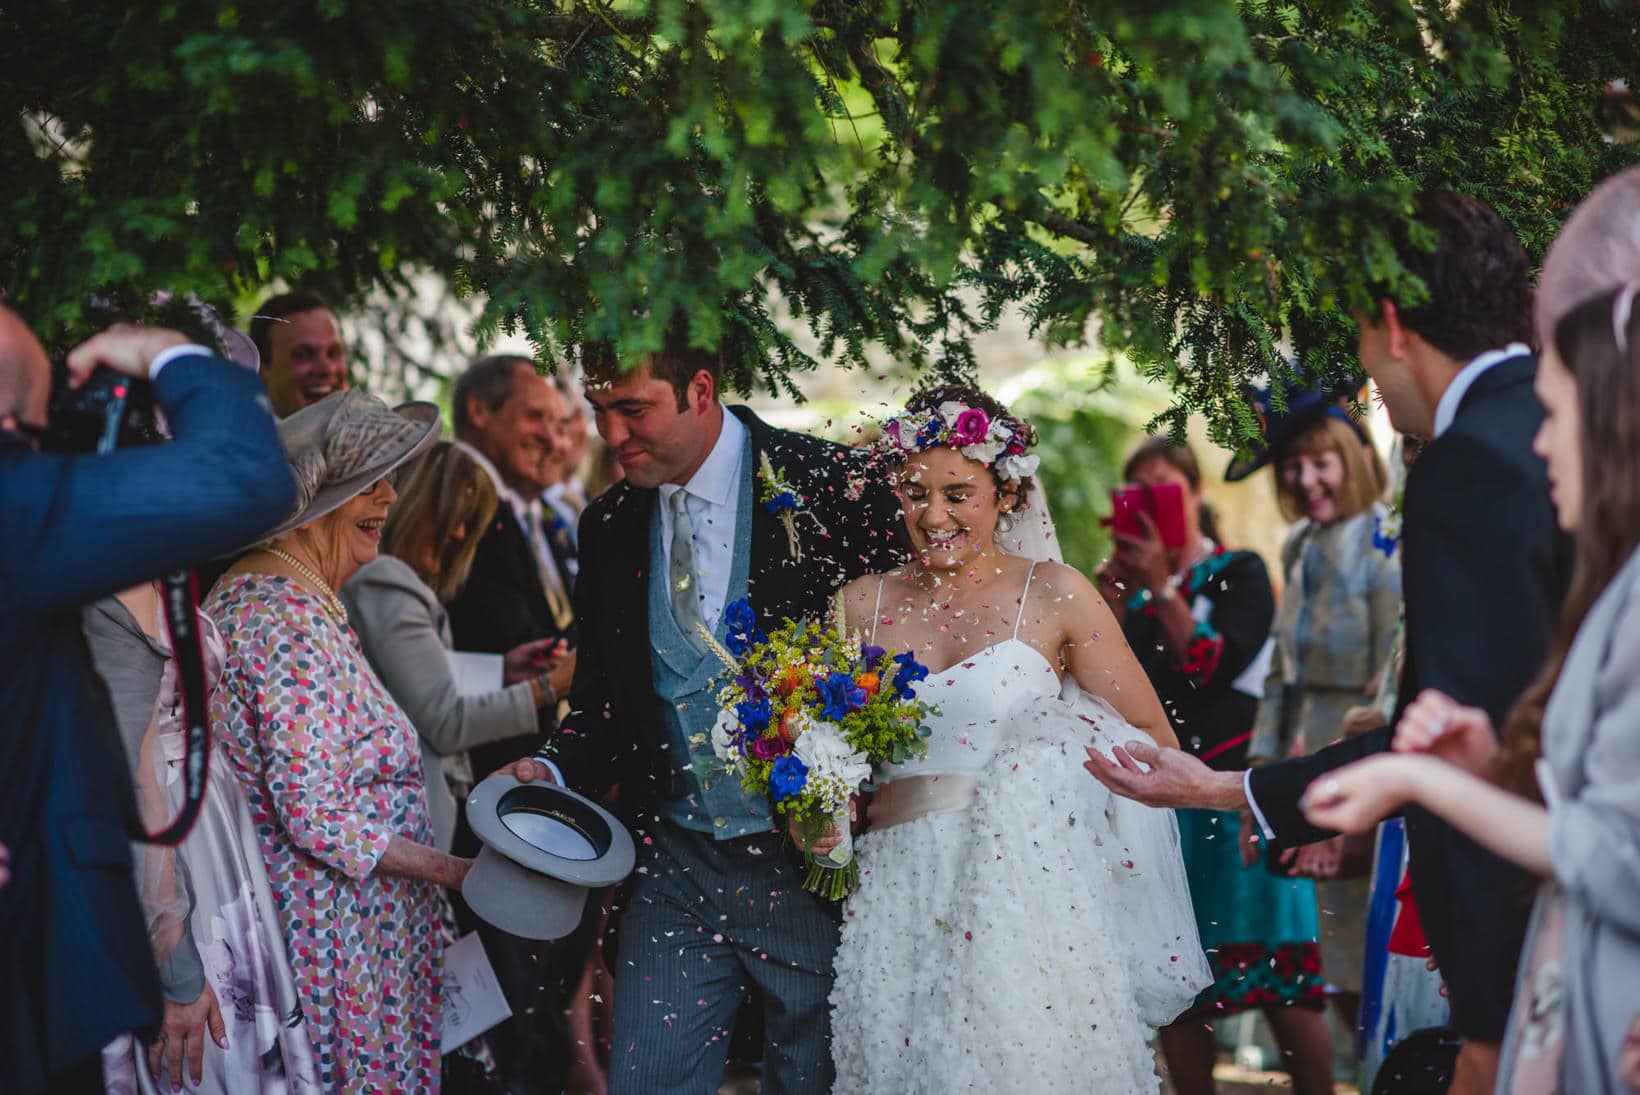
(520, 437)
(654, 439)
(306, 360)
(347, 537)
(1559, 439)
(951, 506)
(1314, 478)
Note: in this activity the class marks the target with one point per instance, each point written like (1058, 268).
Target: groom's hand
(1169, 777)
(527, 770)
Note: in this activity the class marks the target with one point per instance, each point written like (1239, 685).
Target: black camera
(108, 411)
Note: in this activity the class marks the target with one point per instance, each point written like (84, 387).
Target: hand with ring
(1358, 796)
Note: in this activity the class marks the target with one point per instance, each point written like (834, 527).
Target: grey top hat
(342, 444)
(545, 847)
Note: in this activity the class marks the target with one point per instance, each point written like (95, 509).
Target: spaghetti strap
(877, 609)
(1023, 595)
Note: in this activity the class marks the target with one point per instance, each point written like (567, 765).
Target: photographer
(78, 966)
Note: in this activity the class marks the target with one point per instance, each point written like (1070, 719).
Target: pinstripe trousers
(705, 921)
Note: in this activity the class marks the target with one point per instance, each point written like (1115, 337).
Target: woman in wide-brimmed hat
(329, 762)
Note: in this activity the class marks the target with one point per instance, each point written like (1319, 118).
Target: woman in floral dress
(329, 763)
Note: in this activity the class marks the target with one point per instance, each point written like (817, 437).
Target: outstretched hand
(1438, 725)
(1356, 797)
(1155, 776)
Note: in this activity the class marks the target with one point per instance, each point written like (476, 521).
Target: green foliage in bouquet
(806, 713)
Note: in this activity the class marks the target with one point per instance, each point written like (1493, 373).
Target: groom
(716, 906)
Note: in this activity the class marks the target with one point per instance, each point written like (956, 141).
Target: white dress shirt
(171, 353)
(1451, 399)
(1446, 411)
(711, 496)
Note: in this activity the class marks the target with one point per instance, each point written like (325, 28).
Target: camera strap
(182, 621)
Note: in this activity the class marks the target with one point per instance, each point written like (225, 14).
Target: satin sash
(912, 797)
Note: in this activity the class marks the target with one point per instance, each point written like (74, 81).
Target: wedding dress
(1017, 928)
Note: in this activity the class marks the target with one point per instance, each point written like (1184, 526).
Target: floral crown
(969, 430)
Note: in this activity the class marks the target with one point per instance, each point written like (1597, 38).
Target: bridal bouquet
(806, 714)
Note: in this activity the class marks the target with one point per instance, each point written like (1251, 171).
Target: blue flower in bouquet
(754, 714)
(910, 672)
(839, 695)
(784, 501)
(871, 655)
(787, 777)
(740, 625)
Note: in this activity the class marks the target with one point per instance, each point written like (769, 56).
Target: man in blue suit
(78, 969)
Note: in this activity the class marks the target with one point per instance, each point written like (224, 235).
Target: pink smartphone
(1164, 502)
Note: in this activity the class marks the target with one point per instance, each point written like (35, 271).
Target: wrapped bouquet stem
(806, 714)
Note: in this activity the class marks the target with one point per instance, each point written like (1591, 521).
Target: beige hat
(342, 444)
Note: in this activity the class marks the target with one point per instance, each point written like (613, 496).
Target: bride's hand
(828, 840)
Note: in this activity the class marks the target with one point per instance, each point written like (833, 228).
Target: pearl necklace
(327, 596)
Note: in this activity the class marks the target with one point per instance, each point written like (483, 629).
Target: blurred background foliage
(1200, 187)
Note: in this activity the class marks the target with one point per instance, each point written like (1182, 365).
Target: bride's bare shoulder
(1061, 578)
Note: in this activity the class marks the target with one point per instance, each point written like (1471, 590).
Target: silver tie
(683, 580)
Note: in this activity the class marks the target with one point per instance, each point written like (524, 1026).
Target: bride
(1015, 928)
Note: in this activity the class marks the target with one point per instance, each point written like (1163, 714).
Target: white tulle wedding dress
(1017, 928)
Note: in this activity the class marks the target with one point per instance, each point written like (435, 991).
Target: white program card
(473, 1000)
(475, 674)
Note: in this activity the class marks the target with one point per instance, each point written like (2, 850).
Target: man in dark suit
(1484, 567)
(716, 908)
(508, 418)
(78, 965)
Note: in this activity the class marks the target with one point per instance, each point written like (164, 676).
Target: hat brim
(545, 847)
(333, 496)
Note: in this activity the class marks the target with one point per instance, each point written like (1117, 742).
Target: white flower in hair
(985, 452)
(1015, 468)
(951, 410)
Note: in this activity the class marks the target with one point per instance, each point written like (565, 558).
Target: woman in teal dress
(1198, 618)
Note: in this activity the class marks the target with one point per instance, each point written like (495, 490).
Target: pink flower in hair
(972, 427)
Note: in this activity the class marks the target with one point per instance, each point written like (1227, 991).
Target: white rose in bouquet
(836, 769)
(722, 743)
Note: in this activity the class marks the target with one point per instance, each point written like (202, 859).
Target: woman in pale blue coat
(1569, 805)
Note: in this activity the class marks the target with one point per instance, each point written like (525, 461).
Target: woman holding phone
(1197, 616)
(1339, 610)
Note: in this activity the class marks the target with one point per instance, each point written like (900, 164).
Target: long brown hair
(445, 489)
(1608, 530)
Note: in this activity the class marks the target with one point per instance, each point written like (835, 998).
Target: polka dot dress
(332, 769)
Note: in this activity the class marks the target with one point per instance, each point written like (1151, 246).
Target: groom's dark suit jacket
(1484, 569)
(610, 735)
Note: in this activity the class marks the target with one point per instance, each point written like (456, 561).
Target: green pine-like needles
(1203, 185)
